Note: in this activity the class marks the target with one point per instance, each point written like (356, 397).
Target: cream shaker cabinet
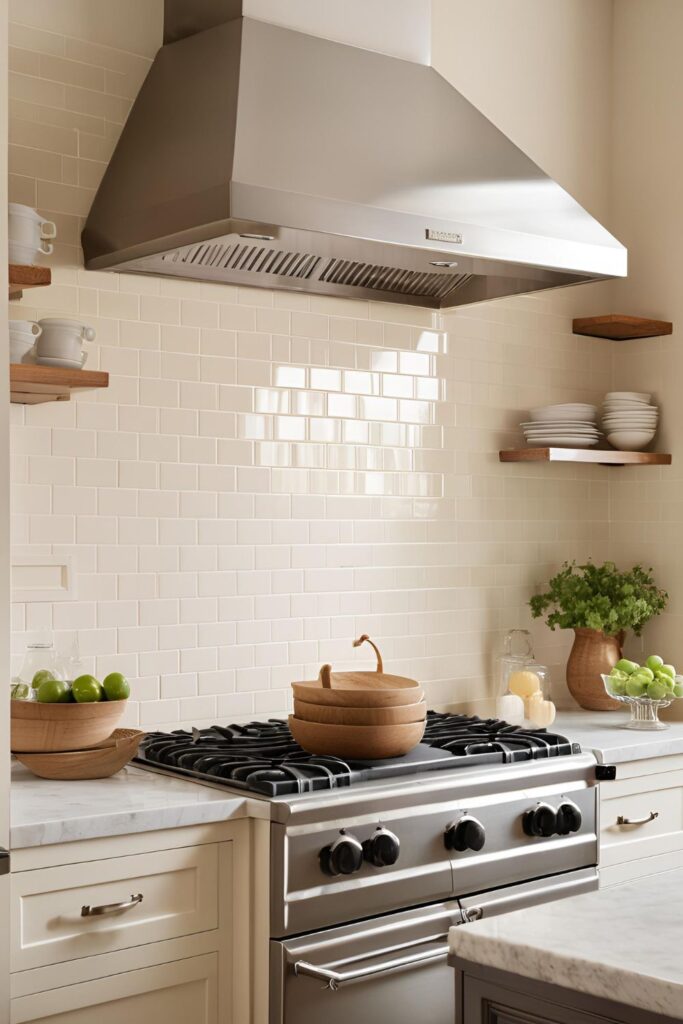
(185, 990)
(641, 819)
(155, 928)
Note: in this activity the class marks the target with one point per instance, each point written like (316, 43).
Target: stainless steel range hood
(256, 154)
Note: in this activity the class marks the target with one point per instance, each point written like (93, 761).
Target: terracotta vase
(593, 653)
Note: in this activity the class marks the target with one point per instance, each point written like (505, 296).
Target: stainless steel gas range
(373, 862)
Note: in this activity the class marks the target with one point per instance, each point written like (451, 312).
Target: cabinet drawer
(654, 806)
(176, 993)
(179, 891)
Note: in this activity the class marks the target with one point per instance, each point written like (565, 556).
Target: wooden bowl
(404, 714)
(376, 689)
(45, 728)
(366, 742)
(98, 762)
(359, 690)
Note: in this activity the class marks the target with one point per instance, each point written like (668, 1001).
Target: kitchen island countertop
(621, 943)
(43, 812)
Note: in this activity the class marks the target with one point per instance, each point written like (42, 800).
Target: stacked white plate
(570, 425)
(629, 420)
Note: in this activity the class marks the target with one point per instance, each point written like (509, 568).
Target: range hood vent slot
(254, 258)
(392, 279)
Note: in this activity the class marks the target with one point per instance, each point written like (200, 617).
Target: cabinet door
(488, 1003)
(184, 992)
(179, 890)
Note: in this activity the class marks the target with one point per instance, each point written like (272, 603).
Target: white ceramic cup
(22, 337)
(29, 234)
(62, 340)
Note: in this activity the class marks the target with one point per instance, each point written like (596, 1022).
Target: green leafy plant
(600, 597)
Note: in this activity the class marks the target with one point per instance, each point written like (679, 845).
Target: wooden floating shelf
(594, 455)
(32, 384)
(617, 327)
(21, 277)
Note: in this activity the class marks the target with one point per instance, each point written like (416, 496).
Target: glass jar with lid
(40, 657)
(523, 684)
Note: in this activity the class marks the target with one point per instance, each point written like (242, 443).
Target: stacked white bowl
(629, 420)
(22, 337)
(569, 425)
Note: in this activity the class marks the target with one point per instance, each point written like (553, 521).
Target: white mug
(28, 233)
(22, 337)
(61, 341)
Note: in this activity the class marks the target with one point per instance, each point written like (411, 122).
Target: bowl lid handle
(364, 638)
(326, 676)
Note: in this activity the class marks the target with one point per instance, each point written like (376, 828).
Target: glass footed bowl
(644, 710)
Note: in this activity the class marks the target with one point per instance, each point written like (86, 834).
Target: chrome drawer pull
(335, 979)
(111, 908)
(621, 820)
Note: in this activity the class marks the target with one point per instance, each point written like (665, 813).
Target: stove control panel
(382, 848)
(467, 833)
(545, 821)
(343, 856)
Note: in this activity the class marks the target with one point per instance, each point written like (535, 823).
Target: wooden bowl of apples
(68, 716)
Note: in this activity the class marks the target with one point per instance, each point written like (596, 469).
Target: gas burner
(492, 739)
(262, 756)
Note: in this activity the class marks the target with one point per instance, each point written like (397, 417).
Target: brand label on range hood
(444, 236)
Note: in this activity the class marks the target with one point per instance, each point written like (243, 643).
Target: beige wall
(542, 72)
(269, 473)
(647, 508)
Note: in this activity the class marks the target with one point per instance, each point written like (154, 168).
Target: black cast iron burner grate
(262, 756)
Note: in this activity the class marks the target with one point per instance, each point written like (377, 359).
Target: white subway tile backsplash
(270, 473)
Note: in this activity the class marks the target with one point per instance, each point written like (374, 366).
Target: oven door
(390, 968)
(378, 970)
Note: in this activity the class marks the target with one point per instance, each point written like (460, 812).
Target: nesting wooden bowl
(47, 728)
(364, 742)
(327, 714)
(366, 715)
(107, 758)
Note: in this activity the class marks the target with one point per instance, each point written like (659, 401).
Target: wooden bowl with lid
(377, 689)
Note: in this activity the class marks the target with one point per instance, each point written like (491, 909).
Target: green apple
(618, 686)
(668, 670)
(665, 680)
(645, 673)
(657, 690)
(636, 687)
(53, 691)
(40, 677)
(624, 665)
(116, 686)
(678, 690)
(654, 662)
(86, 689)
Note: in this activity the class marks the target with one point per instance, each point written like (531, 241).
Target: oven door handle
(335, 979)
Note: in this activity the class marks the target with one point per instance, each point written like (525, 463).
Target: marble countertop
(44, 812)
(621, 943)
(603, 733)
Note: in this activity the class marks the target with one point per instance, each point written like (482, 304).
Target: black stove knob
(343, 856)
(540, 821)
(382, 848)
(568, 818)
(465, 834)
